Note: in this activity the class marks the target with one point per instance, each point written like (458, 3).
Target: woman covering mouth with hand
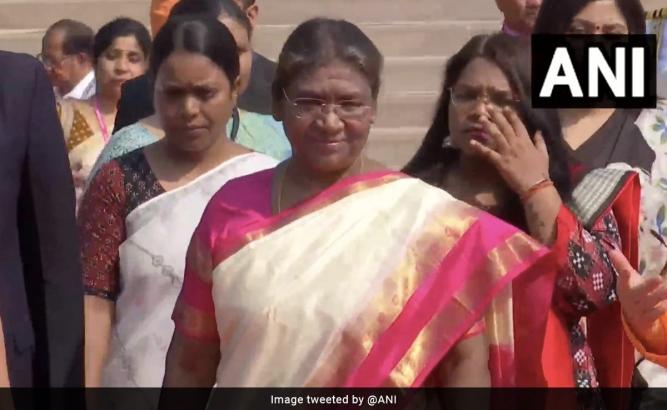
(490, 149)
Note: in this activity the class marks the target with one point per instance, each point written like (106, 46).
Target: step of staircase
(406, 109)
(651, 5)
(416, 74)
(21, 14)
(410, 39)
(21, 40)
(295, 11)
(40, 14)
(394, 146)
(413, 39)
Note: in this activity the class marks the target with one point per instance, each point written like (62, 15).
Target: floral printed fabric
(653, 226)
(655, 24)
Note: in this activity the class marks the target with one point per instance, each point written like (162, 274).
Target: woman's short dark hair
(434, 158)
(202, 35)
(121, 27)
(321, 41)
(556, 16)
(213, 8)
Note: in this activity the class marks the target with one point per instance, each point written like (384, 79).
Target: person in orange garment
(644, 304)
(160, 10)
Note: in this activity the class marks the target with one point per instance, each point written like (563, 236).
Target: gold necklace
(280, 183)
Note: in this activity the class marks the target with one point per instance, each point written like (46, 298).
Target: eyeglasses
(48, 63)
(590, 28)
(466, 98)
(311, 107)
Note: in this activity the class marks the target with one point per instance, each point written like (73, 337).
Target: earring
(447, 142)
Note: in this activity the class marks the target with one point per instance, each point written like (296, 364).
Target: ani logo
(594, 71)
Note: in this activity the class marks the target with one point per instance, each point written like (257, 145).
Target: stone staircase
(416, 37)
(651, 5)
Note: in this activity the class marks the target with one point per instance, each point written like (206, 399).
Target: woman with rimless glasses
(489, 148)
(331, 270)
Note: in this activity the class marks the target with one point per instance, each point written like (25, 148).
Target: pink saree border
(430, 299)
(332, 194)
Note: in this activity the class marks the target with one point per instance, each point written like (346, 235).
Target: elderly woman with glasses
(331, 270)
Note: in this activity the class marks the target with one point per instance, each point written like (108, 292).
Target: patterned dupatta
(618, 190)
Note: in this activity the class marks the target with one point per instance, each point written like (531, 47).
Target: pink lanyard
(101, 122)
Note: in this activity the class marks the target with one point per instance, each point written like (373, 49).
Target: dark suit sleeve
(48, 183)
(136, 102)
(124, 113)
(257, 97)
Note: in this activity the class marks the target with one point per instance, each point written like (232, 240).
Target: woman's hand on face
(643, 299)
(521, 162)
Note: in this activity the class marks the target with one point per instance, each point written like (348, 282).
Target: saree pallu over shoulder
(152, 260)
(388, 275)
(596, 192)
